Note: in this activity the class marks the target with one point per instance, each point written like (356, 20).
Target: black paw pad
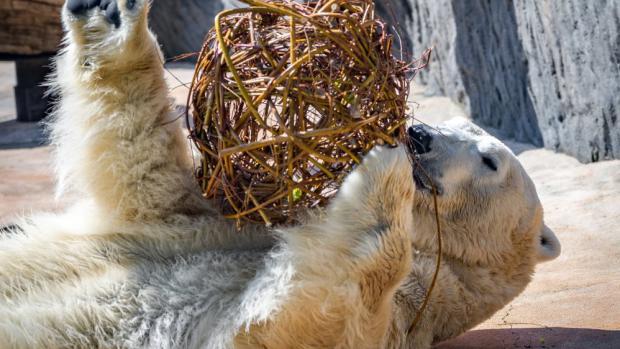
(80, 7)
(112, 14)
(109, 8)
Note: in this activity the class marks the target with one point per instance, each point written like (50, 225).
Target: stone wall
(181, 25)
(542, 71)
(574, 73)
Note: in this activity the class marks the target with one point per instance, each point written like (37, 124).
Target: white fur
(144, 261)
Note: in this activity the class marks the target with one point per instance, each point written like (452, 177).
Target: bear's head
(490, 216)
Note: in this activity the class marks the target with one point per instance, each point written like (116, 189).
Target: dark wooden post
(30, 102)
(30, 32)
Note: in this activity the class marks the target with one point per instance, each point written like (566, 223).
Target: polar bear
(142, 260)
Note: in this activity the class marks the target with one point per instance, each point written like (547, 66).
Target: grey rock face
(181, 25)
(573, 48)
(546, 72)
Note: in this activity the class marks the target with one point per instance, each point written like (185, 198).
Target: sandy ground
(573, 302)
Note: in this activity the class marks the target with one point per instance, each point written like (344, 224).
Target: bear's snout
(419, 139)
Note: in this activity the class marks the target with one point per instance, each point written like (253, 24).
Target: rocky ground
(573, 302)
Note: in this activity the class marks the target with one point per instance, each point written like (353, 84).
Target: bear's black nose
(419, 139)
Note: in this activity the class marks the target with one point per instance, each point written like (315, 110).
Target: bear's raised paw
(108, 9)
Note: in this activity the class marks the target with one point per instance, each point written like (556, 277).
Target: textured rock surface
(573, 49)
(546, 72)
(181, 25)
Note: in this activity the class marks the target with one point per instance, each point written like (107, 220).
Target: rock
(573, 49)
(181, 25)
(544, 72)
(30, 27)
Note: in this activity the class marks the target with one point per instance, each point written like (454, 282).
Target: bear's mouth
(424, 182)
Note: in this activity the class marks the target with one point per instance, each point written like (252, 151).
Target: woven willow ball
(286, 98)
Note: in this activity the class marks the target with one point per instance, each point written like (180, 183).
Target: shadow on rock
(14, 134)
(535, 338)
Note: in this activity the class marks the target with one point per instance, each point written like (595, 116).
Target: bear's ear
(549, 246)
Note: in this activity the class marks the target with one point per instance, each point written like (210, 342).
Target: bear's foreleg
(349, 263)
(117, 139)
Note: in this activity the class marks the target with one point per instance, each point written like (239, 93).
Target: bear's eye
(489, 163)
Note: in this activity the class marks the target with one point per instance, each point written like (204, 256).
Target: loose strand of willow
(418, 316)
